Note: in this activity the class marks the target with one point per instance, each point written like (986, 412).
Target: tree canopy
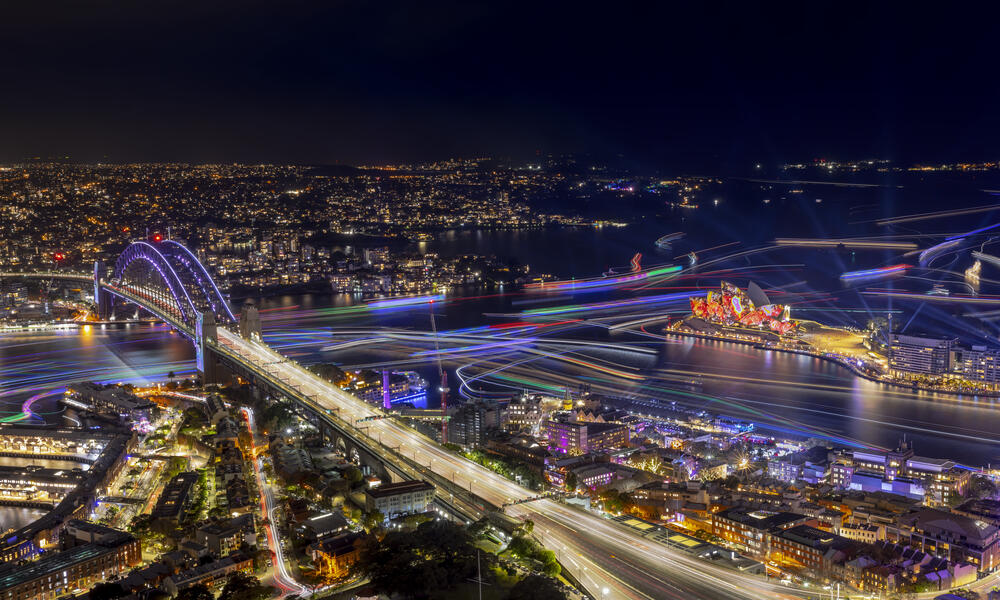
(241, 586)
(536, 587)
(434, 558)
(374, 520)
(329, 372)
(107, 591)
(195, 592)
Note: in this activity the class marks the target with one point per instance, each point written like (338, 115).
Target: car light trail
(578, 530)
(282, 578)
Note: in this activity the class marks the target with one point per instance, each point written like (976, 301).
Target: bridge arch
(169, 275)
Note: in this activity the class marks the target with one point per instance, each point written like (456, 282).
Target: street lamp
(604, 593)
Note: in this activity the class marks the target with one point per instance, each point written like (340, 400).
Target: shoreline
(837, 361)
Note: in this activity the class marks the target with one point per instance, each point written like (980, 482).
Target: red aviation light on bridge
(157, 237)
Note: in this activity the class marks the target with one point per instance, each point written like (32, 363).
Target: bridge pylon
(250, 322)
(103, 299)
(206, 333)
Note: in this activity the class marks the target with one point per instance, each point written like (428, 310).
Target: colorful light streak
(973, 232)
(937, 215)
(609, 305)
(873, 273)
(600, 283)
(846, 243)
(930, 253)
(935, 298)
(416, 398)
(401, 302)
(464, 349)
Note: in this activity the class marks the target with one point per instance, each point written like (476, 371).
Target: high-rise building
(917, 355)
(469, 425)
(979, 363)
(576, 437)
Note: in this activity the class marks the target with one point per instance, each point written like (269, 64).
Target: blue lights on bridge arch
(171, 264)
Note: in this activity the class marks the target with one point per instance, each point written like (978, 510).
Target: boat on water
(665, 241)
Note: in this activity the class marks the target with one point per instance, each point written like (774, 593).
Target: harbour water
(803, 395)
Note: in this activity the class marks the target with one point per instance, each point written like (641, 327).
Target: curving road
(282, 578)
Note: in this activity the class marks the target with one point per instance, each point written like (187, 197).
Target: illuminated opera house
(731, 306)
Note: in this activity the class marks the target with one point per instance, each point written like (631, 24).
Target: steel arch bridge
(169, 276)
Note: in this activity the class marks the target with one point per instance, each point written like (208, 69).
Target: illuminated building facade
(917, 355)
(334, 556)
(73, 570)
(525, 413)
(732, 306)
(956, 537)
(805, 547)
(26, 542)
(575, 437)
(394, 499)
(752, 530)
(978, 363)
(936, 482)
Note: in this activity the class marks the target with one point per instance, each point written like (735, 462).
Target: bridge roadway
(601, 554)
(81, 277)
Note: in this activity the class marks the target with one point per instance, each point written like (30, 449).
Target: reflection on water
(737, 380)
(13, 518)
(45, 361)
(800, 393)
(17, 461)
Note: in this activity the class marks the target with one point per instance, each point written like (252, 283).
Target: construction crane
(444, 379)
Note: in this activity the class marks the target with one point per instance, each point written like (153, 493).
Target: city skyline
(529, 301)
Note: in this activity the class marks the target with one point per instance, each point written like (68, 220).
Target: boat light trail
(400, 302)
(934, 298)
(931, 253)
(603, 282)
(846, 243)
(973, 232)
(873, 273)
(555, 310)
(937, 215)
(987, 258)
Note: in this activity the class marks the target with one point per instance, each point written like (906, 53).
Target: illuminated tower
(386, 397)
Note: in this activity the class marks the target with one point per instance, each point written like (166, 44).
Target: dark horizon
(352, 83)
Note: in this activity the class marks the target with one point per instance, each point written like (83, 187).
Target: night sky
(716, 87)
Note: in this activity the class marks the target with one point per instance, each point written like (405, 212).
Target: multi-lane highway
(600, 553)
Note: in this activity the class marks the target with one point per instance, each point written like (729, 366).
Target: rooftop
(52, 562)
(760, 519)
(403, 487)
